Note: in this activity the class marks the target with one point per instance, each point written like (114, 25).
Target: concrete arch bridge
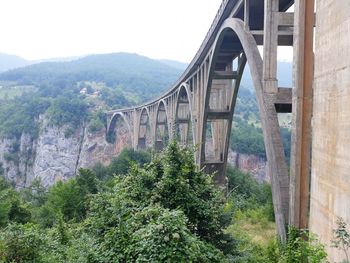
(198, 109)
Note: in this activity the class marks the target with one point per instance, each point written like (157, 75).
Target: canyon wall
(249, 163)
(55, 155)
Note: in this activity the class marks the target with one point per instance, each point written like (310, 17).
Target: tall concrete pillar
(302, 112)
(330, 173)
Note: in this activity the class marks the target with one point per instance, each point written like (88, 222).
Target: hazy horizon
(40, 30)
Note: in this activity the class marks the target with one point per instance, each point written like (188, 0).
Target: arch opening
(162, 129)
(183, 119)
(144, 133)
(224, 80)
(119, 133)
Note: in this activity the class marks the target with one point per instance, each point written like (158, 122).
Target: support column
(270, 46)
(302, 113)
(135, 129)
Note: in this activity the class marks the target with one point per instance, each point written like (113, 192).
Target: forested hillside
(137, 74)
(75, 91)
(52, 114)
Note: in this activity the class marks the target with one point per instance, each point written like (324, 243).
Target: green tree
(170, 186)
(69, 198)
(21, 243)
(12, 207)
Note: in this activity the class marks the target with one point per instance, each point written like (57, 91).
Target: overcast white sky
(171, 29)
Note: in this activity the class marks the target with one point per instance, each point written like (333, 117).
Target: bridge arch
(161, 130)
(246, 51)
(183, 116)
(144, 129)
(112, 128)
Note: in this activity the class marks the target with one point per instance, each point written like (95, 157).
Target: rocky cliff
(250, 163)
(55, 155)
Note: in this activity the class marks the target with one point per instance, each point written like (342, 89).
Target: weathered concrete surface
(330, 179)
(303, 75)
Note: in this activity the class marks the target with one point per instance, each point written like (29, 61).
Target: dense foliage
(61, 106)
(164, 211)
(140, 209)
(247, 138)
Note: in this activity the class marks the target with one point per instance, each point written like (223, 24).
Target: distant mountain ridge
(144, 76)
(135, 73)
(8, 62)
(174, 63)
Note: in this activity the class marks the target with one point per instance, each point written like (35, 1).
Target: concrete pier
(330, 176)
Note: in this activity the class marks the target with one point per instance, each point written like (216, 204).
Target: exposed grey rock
(56, 155)
(53, 156)
(255, 165)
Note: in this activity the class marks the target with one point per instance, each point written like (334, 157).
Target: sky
(160, 29)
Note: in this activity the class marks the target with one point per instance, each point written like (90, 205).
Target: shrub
(302, 246)
(21, 243)
(341, 239)
(171, 192)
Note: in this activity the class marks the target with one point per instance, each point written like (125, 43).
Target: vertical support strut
(270, 46)
(302, 113)
(277, 166)
(246, 14)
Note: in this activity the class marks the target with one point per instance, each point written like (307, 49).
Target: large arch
(161, 126)
(111, 129)
(144, 136)
(274, 149)
(183, 116)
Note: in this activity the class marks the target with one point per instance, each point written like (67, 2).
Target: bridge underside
(198, 109)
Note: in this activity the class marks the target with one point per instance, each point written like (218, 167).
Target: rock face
(56, 156)
(53, 156)
(249, 163)
(16, 159)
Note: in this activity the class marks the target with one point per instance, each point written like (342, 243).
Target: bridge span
(198, 109)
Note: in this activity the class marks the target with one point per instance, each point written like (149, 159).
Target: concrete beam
(219, 115)
(284, 96)
(285, 19)
(225, 75)
(183, 121)
(161, 122)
